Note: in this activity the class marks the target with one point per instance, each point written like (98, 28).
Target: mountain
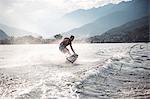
(81, 17)
(134, 31)
(3, 35)
(129, 11)
(12, 31)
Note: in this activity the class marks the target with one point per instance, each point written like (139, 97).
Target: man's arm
(72, 48)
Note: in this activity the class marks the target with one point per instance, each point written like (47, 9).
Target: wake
(109, 71)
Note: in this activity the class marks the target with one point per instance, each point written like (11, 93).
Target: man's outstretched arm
(72, 48)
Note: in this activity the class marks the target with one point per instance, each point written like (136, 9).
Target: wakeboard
(72, 58)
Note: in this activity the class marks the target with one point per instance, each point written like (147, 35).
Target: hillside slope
(135, 10)
(134, 31)
(3, 35)
(12, 31)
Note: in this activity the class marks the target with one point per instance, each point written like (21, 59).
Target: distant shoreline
(81, 43)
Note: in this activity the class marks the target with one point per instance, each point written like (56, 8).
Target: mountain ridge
(3, 35)
(16, 32)
(134, 31)
(135, 9)
(80, 17)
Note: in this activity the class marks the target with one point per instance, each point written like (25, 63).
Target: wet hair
(72, 36)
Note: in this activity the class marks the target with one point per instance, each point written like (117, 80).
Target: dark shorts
(62, 48)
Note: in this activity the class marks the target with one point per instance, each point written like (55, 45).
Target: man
(63, 45)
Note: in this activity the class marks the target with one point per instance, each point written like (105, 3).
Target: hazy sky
(32, 14)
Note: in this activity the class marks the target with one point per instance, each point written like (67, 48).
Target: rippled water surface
(102, 71)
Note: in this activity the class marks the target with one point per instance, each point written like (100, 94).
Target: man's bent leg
(66, 51)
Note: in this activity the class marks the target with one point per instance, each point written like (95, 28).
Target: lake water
(101, 71)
